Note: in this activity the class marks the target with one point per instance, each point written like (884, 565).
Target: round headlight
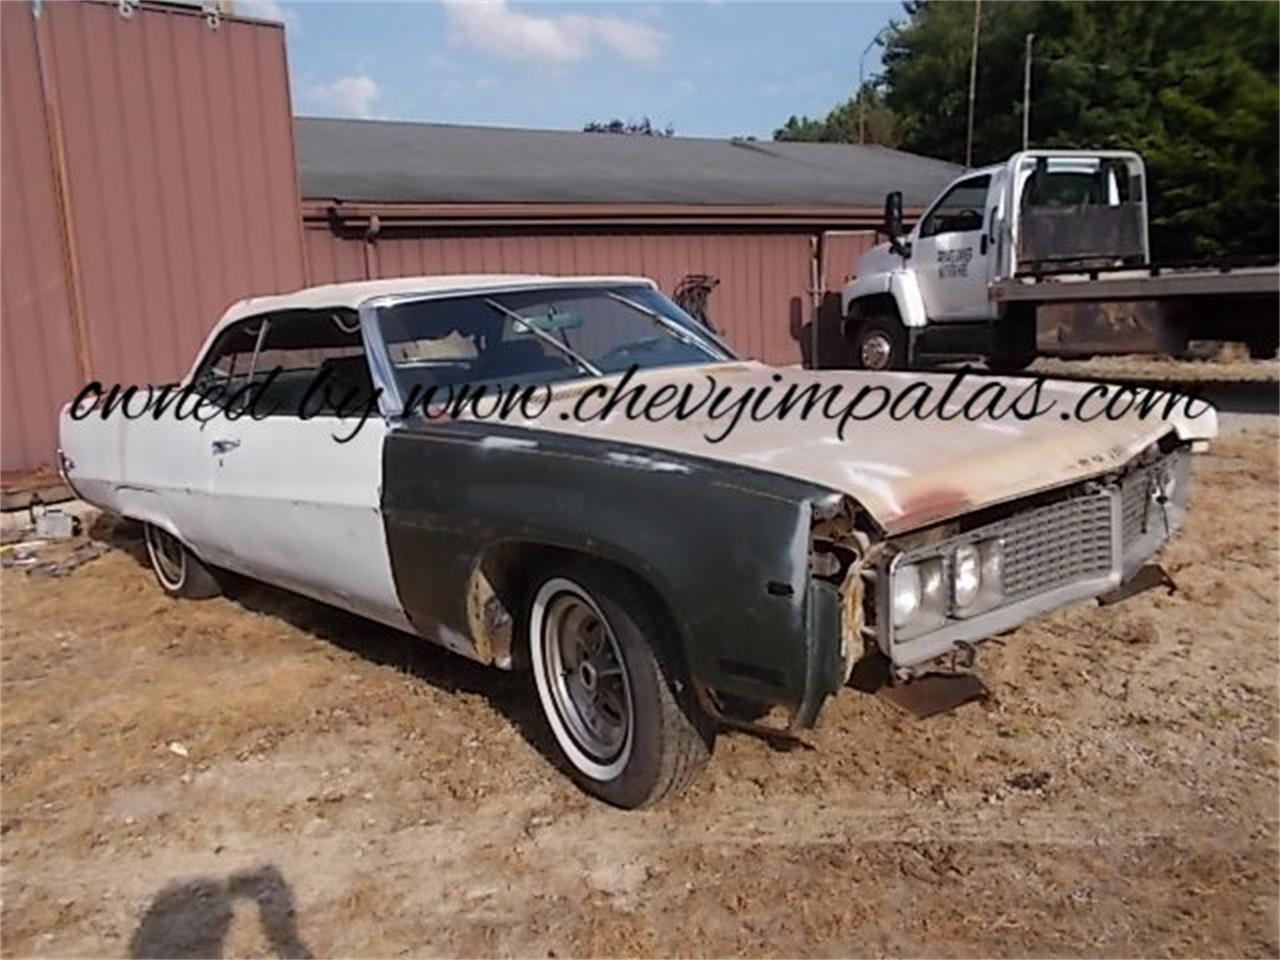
(906, 594)
(966, 574)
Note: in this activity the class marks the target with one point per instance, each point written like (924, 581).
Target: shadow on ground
(191, 919)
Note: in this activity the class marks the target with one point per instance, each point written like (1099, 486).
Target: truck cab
(926, 293)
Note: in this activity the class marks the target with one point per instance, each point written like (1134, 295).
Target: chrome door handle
(224, 446)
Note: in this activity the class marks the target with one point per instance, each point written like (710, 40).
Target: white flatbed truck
(1045, 227)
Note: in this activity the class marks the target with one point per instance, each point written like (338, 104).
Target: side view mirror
(893, 223)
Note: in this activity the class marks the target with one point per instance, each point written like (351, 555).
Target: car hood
(906, 472)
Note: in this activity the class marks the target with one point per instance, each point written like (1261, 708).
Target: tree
(842, 124)
(640, 128)
(1190, 86)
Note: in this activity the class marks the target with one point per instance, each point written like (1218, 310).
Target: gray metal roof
(382, 161)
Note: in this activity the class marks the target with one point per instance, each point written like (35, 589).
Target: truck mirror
(893, 222)
(893, 214)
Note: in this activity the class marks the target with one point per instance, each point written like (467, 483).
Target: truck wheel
(180, 572)
(880, 343)
(1010, 362)
(612, 688)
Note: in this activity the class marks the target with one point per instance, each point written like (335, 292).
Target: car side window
(317, 364)
(303, 363)
(959, 210)
(227, 365)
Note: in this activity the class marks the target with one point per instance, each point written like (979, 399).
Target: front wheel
(880, 343)
(613, 690)
(179, 571)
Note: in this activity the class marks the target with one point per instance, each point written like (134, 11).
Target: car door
(951, 251)
(154, 461)
(297, 469)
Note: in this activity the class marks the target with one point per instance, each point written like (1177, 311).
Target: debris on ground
(24, 554)
(79, 556)
(1030, 780)
(56, 525)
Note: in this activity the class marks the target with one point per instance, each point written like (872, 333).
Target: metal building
(148, 178)
(773, 225)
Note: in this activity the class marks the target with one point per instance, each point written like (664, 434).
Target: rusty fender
(756, 596)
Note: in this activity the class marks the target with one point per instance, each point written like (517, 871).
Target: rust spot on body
(932, 505)
(491, 623)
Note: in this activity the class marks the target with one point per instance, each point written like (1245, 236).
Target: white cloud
(269, 10)
(351, 96)
(552, 41)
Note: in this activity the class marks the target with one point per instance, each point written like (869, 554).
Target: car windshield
(540, 336)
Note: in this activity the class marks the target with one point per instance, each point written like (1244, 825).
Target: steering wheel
(620, 353)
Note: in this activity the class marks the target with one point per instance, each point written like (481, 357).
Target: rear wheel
(614, 692)
(1011, 362)
(179, 571)
(880, 343)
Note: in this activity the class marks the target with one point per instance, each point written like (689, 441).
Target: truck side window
(959, 210)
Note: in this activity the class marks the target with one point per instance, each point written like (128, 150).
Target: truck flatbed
(1137, 283)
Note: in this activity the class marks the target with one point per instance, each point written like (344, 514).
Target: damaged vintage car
(659, 575)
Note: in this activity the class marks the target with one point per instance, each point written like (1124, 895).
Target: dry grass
(407, 799)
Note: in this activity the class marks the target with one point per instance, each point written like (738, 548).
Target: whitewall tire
(179, 572)
(611, 684)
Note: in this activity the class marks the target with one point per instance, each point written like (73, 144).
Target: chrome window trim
(390, 403)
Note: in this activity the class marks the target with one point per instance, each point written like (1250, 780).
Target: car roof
(352, 295)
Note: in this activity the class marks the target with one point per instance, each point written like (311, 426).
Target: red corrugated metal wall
(181, 188)
(762, 302)
(840, 251)
(36, 346)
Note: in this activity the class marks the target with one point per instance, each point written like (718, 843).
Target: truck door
(951, 252)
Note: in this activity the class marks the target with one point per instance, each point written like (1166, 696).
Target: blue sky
(714, 69)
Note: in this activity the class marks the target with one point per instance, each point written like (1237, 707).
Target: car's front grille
(1045, 547)
(1056, 544)
(1078, 546)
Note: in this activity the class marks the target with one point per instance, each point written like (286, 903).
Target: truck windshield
(540, 336)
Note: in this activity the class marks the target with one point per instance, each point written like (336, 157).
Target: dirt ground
(261, 775)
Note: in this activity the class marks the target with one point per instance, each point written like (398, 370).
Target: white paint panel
(144, 468)
(298, 509)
